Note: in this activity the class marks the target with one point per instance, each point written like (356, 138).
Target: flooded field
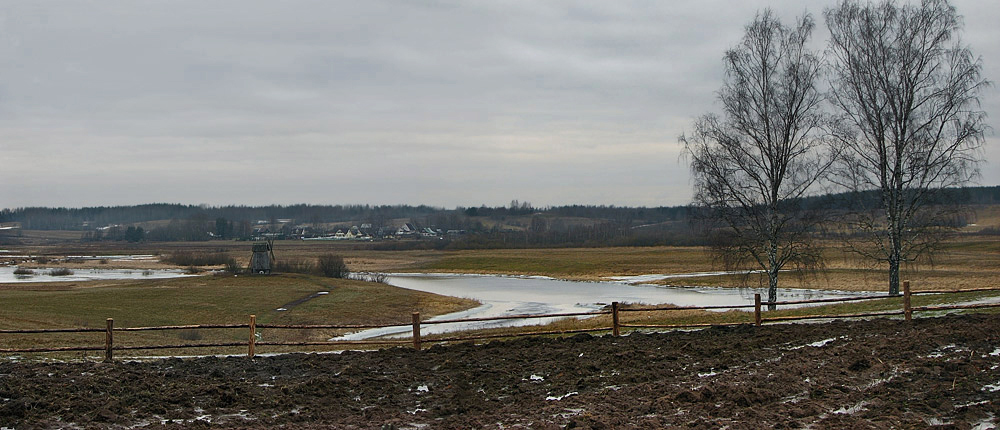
(509, 295)
(60, 274)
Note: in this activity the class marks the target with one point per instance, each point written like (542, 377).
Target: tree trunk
(894, 258)
(772, 288)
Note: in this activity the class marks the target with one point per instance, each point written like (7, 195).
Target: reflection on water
(504, 295)
(7, 275)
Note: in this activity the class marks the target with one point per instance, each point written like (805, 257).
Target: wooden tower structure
(262, 258)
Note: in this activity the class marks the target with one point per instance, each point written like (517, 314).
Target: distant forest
(518, 224)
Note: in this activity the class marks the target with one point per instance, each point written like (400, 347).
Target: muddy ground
(859, 374)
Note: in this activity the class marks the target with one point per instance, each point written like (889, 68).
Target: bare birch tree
(907, 92)
(767, 150)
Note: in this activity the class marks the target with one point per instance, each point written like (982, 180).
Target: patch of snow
(796, 398)
(992, 387)
(423, 389)
(416, 411)
(281, 309)
(985, 424)
(966, 405)
(323, 293)
(817, 344)
(851, 410)
(207, 417)
(705, 375)
(558, 398)
(537, 378)
(995, 353)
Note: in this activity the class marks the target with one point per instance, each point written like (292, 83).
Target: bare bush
(62, 271)
(233, 267)
(333, 266)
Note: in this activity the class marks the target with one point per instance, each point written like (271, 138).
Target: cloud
(445, 103)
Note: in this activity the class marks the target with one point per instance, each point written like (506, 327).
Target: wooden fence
(616, 325)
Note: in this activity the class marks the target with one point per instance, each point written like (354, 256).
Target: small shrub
(233, 267)
(42, 260)
(104, 261)
(21, 272)
(147, 272)
(191, 270)
(62, 271)
(333, 266)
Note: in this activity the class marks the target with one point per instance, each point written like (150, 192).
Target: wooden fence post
(614, 319)
(253, 336)
(416, 331)
(907, 308)
(109, 342)
(756, 309)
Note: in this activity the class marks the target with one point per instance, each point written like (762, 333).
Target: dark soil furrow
(855, 374)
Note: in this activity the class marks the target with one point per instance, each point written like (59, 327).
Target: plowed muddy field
(941, 372)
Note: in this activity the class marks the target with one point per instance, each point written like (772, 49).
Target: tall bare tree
(753, 164)
(908, 97)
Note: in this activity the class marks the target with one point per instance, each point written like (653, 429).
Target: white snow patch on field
(852, 410)
(558, 398)
(985, 424)
(534, 378)
(966, 405)
(992, 387)
(817, 344)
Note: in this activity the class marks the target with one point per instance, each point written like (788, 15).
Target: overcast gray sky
(382, 102)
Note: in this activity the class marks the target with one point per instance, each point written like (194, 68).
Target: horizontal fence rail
(615, 311)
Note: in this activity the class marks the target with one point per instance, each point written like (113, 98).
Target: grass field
(208, 300)
(968, 263)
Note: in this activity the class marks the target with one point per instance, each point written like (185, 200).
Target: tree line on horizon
(519, 225)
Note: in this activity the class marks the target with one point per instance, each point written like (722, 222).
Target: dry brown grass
(964, 263)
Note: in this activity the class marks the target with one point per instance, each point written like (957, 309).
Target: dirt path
(859, 374)
(324, 290)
